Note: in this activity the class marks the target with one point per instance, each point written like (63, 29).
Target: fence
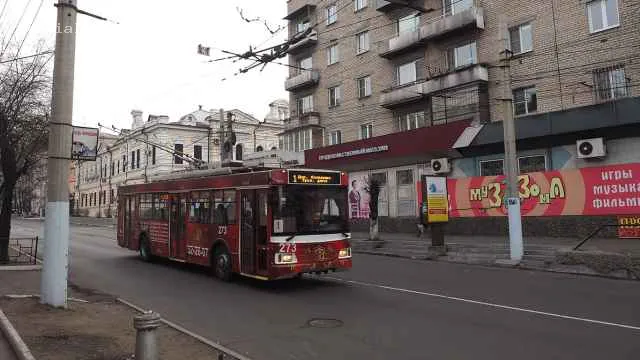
(23, 251)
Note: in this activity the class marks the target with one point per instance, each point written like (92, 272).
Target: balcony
(472, 17)
(399, 44)
(302, 80)
(387, 6)
(310, 118)
(299, 7)
(401, 95)
(309, 40)
(468, 75)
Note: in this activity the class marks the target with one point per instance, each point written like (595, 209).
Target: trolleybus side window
(224, 207)
(200, 208)
(146, 207)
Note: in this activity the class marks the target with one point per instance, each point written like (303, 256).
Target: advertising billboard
(85, 143)
(607, 190)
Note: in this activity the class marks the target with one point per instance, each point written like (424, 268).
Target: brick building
(383, 88)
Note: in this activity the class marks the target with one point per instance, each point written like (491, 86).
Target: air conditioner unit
(591, 148)
(440, 166)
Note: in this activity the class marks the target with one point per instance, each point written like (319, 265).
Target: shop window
(529, 164)
(491, 167)
(405, 193)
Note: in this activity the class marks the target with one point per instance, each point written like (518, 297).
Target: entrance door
(254, 233)
(177, 226)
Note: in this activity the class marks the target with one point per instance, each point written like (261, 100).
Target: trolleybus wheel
(222, 264)
(145, 250)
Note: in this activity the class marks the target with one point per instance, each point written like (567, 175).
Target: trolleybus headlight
(344, 253)
(285, 258)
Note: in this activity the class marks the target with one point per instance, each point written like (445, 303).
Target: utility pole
(512, 199)
(56, 228)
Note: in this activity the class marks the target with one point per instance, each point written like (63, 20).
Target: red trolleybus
(262, 223)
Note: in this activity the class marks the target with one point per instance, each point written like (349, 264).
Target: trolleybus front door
(177, 226)
(254, 232)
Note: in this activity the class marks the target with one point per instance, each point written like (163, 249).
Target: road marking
(484, 303)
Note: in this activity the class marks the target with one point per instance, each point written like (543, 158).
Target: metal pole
(512, 200)
(56, 248)
(146, 341)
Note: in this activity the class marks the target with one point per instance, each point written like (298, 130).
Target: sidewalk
(6, 353)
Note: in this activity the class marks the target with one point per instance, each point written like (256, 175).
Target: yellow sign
(437, 199)
(324, 178)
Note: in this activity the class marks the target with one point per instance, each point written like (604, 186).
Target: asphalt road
(388, 308)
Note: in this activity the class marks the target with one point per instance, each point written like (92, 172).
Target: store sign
(435, 188)
(361, 151)
(608, 190)
(629, 227)
(85, 143)
(314, 178)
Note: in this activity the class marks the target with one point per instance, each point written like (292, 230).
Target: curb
(493, 264)
(20, 267)
(19, 347)
(221, 348)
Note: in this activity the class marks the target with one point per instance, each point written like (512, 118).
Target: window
(525, 101)
(133, 160)
(366, 131)
(299, 207)
(360, 4)
(362, 42)
(306, 64)
(178, 148)
(153, 155)
(491, 167)
(332, 54)
(197, 152)
(465, 55)
(364, 86)
(405, 193)
(224, 207)
(407, 24)
(111, 196)
(611, 83)
(118, 166)
(529, 164)
(302, 25)
(407, 73)
(124, 163)
(239, 151)
(304, 104)
(410, 121)
(603, 14)
(521, 38)
(334, 96)
(335, 137)
(138, 159)
(332, 14)
(452, 7)
(200, 208)
(259, 148)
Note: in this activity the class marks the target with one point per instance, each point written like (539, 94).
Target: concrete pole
(512, 199)
(146, 325)
(56, 231)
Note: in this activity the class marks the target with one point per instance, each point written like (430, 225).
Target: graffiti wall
(608, 190)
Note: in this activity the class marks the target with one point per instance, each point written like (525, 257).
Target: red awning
(422, 141)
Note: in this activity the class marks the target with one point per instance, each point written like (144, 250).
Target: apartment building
(385, 88)
(148, 149)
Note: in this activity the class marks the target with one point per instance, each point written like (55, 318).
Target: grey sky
(149, 60)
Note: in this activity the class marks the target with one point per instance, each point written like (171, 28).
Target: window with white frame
(366, 131)
(491, 167)
(362, 42)
(334, 96)
(305, 64)
(611, 83)
(525, 100)
(335, 137)
(532, 163)
(302, 25)
(410, 121)
(405, 193)
(452, 7)
(304, 104)
(332, 14)
(364, 86)
(359, 4)
(299, 140)
(521, 38)
(332, 54)
(407, 24)
(407, 73)
(465, 55)
(603, 14)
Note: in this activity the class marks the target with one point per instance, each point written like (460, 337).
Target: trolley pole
(511, 162)
(56, 230)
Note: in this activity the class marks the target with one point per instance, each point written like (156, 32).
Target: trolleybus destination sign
(314, 178)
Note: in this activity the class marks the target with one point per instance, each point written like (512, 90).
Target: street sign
(85, 143)
(437, 201)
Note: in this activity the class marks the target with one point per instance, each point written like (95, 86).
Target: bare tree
(373, 188)
(25, 92)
